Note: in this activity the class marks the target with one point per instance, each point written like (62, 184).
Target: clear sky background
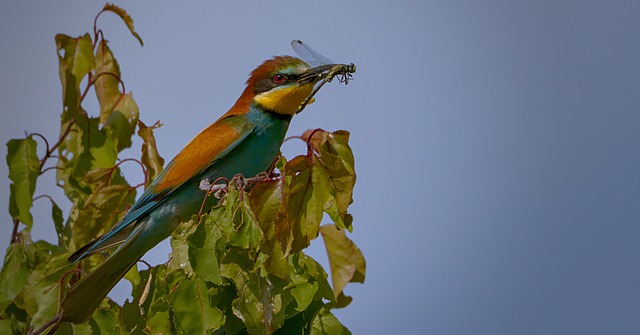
(496, 142)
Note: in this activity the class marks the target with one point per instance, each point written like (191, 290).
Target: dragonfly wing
(309, 55)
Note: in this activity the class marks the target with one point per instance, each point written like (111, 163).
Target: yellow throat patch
(284, 100)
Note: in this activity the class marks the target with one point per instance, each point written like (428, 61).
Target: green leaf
(361, 267)
(132, 320)
(58, 223)
(206, 248)
(155, 293)
(75, 329)
(326, 323)
(345, 259)
(6, 327)
(102, 146)
(300, 323)
(122, 120)
(150, 156)
(24, 168)
(180, 247)
(267, 203)
(247, 232)
(198, 248)
(89, 147)
(277, 264)
(105, 319)
(341, 301)
(304, 269)
(160, 323)
(259, 304)
(133, 276)
(321, 181)
(303, 201)
(77, 53)
(236, 209)
(304, 293)
(15, 271)
(99, 177)
(338, 162)
(101, 210)
(17, 316)
(106, 198)
(191, 303)
(107, 85)
(125, 17)
(41, 292)
(75, 58)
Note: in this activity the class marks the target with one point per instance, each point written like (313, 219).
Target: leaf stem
(43, 196)
(92, 82)
(43, 139)
(15, 237)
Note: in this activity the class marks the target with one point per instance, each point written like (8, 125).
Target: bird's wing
(207, 147)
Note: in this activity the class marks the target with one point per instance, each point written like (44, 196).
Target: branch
(15, 236)
(50, 151)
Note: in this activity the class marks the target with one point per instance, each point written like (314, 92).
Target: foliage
(236, 268)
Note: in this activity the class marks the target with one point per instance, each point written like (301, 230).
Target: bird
(245, 140)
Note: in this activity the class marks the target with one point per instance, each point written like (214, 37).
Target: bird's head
(282, 84)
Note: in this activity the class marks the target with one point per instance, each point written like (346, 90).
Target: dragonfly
(344, 72)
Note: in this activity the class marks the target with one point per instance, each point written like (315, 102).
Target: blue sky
(496, 142)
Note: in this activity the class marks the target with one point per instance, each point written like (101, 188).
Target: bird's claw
(216, 189)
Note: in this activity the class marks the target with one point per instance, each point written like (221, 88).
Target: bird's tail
(82, 299)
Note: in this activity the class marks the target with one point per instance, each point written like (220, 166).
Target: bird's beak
(315, 74)
(323, 74)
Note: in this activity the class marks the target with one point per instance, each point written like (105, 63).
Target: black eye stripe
(266, 84)
(263, 85)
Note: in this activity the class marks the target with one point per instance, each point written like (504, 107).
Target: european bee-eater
(244, 141)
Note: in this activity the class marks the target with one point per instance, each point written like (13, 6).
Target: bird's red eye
(278, 78)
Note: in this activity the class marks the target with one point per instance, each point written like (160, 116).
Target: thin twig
(145, 263)
(145, 171)
(292, 137)
(95, 26)
(109, 74)
(64, 135)
(43, 196)
(46, 325)
(43, 139)
(51, 168)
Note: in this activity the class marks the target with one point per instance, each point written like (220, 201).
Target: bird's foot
(218, 189)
